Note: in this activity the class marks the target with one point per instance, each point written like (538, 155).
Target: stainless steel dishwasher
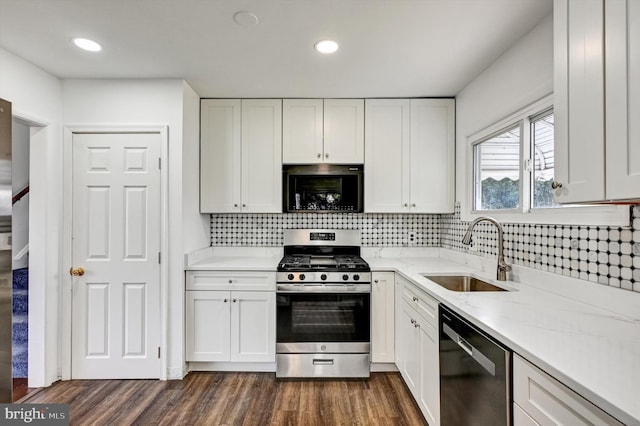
(475, 375)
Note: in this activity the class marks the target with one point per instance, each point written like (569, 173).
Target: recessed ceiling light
(86, 44)
(326, 46)
(245, 19)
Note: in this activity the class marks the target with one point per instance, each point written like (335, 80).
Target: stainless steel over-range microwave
(323, 188)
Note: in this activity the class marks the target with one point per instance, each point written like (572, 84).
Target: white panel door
(116, 239)
(344, 131)
(208, 325)
(262, 155)
(410, 342)
(253, 326)
(579, 100)
(429, 373)
(382, 319)
(220, 162)
(432, 155)
(623, 98)
(302, 131)
(387, 124)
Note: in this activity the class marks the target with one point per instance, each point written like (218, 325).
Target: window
(543, 160)
(513, 164)
(497, 165)
(513, 167)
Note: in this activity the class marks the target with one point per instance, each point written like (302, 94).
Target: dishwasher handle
(474, 353)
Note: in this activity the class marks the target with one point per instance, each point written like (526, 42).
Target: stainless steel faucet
(503, 267)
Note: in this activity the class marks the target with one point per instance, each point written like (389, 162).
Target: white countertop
(594, 351)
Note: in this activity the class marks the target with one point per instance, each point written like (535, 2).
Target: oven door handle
(324, 288)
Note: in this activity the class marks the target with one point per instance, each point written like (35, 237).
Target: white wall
(149, 102)
(519, 77)
(36, 98)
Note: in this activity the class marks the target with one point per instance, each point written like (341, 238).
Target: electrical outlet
(412, 236)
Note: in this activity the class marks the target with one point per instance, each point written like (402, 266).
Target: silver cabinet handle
(235, 205)
(413, 205)
(319, 155)
(326, 155)
(376, 281)
(230, 281)
(406, 204)
(235, 300)
(225, 300)
(244, 205)
(322, 361)
(556, 185)
(415, 299)
(413, 321)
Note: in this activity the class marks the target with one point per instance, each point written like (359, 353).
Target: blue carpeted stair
(20, 321)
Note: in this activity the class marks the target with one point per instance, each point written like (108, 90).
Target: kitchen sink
(462, 283)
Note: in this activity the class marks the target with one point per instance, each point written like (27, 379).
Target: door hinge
(159, 163)
(159, 257)
(158, 351)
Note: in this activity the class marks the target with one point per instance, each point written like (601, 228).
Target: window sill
(618, 215)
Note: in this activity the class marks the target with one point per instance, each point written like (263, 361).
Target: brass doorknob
(77, 272)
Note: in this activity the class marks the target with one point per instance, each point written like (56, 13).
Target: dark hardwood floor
(236, 399)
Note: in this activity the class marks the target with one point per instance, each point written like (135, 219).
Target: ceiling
(388, 48)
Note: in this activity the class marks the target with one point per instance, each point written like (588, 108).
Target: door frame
(66, 282)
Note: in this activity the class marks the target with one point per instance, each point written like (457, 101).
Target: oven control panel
(323, 277)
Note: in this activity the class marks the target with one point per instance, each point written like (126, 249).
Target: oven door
(330, 322)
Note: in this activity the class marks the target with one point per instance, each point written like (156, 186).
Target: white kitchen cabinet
(622, 88)
(225, 322)
(540, 399)
(409, 155)
(417, 347)
(323, 131)
(597, 155)
(383, 317)
(241, 156)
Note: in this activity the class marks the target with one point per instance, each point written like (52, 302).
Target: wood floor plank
(247, 399)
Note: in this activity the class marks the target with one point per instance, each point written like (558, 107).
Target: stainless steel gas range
(323, 305)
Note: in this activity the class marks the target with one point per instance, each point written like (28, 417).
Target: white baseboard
(266, 367)
(379, 367)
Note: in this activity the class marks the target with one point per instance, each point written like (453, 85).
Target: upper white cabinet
(409, 155)
(323, 131)
(240, 156)
(597, 142)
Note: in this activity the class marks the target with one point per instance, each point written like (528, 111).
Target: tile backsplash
(376, 230)
(602, 254)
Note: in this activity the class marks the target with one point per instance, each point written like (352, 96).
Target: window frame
(595, 215)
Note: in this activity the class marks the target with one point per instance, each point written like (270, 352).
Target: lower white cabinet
(539, 399)
(417, 347)
(382, 317)
(229, 325)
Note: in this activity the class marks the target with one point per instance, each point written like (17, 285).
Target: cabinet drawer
(547, 401)
(425, 305)
(230, 280)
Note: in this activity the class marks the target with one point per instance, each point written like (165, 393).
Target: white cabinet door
(579, 100)
(220, 161)
(387, 124)
(382, 317)
(344, 131)
(261, 155)
(410, 348)
(409, 155)
(622, 38)
(429, 374)
(302, 131)
(208, 325)
(549, 402)
(432, 156)
(253, 326)
(241, 156)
